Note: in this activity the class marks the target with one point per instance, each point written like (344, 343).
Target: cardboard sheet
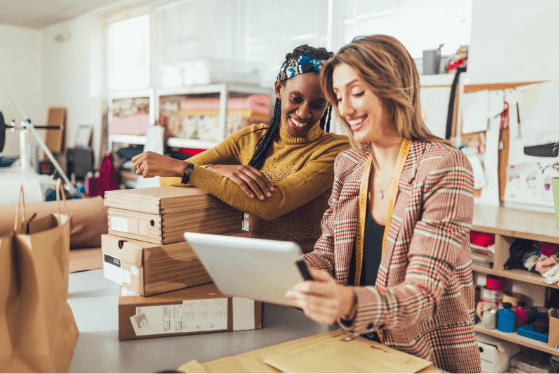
(344, 354)
(255, 361)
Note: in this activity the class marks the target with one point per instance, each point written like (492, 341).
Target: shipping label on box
(195, 310)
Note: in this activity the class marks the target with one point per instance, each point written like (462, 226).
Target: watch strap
(187, 173)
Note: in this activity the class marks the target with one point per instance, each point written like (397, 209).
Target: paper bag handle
(60, 190)
(20, 204)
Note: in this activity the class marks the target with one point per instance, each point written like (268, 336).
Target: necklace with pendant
(381, 192)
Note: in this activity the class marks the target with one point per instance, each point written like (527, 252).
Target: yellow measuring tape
(363, 206)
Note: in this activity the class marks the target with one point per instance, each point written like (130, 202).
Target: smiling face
(302, 103)
(360, 107)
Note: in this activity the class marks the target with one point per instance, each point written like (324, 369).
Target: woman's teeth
(356, 121)
(296, 123)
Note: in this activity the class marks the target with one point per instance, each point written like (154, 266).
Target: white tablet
(257, 269)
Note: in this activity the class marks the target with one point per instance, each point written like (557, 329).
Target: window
(418, 24)
(129, 54)
(269, 29)
(177, 39)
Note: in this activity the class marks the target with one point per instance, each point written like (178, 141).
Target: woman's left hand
(323, 299)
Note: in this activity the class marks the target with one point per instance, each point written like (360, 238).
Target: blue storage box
(528, 330)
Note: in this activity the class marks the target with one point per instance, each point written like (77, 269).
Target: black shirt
(372, 253)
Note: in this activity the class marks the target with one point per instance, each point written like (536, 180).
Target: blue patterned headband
(299, 65)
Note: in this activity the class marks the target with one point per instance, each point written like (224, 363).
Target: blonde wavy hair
(385, 66)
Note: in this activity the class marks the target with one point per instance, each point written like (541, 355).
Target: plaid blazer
(423, 299)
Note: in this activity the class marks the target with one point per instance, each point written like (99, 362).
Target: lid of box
(205, 291)
(133, 251)
(158, 200)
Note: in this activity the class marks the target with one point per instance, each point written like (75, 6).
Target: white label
(126, 278)
(191, 316)
(243, 314)
(112, 268)
(135, 271)
(119, 224)
(140, 324)
(126, 292)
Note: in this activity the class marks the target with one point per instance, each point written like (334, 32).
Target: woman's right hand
(151, 164)
(250, 179)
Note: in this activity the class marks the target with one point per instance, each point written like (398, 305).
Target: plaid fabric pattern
(424, 297)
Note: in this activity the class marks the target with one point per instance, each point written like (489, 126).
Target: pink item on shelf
(546, 263)
(549, 249)
(482, 239)
(130, 125)
(254, 103)
(522, 313)
(108, 179)
(493, 283)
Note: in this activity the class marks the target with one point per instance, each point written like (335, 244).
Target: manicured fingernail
(268, 194)
(261, 197)
(251, 196)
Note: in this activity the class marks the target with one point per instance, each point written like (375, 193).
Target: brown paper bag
(38, 332)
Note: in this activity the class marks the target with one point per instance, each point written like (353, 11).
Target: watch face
(188, 171)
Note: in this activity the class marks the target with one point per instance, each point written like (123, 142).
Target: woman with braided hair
(280, 174)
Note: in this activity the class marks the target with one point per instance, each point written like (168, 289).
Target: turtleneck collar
(311, 136)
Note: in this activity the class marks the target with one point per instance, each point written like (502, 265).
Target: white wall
(74, 73)
(21, 70)
(514, 40)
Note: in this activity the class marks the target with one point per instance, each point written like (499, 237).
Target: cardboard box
(149, 269)
(161, 200)
(162, 214)
(495, 353)
(195, 310)
(531, 361)
(553, 341)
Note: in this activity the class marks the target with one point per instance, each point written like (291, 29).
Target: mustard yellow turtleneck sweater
(301, 169)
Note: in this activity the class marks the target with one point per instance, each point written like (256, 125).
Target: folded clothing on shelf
(130, 125)
(252, 103)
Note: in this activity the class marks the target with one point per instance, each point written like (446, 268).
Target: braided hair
(265, 141)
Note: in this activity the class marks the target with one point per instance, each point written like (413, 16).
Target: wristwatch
(187, 172)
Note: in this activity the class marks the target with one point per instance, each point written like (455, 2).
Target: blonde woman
(393, 261)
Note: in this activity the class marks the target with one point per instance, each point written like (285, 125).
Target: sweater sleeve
(292, 192)
(438, 239)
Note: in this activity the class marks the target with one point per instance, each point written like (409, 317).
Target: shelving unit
(509, 224)
(224, 90)
(513, 337)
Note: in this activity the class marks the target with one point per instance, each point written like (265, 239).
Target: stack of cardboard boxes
(165, 290)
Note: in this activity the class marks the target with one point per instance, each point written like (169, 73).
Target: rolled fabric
(88, 219)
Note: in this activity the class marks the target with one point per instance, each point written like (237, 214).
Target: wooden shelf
(513, 337)
(171, 142)
(508, 224)
(516, 274)
(516, 223)
(191, 143)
